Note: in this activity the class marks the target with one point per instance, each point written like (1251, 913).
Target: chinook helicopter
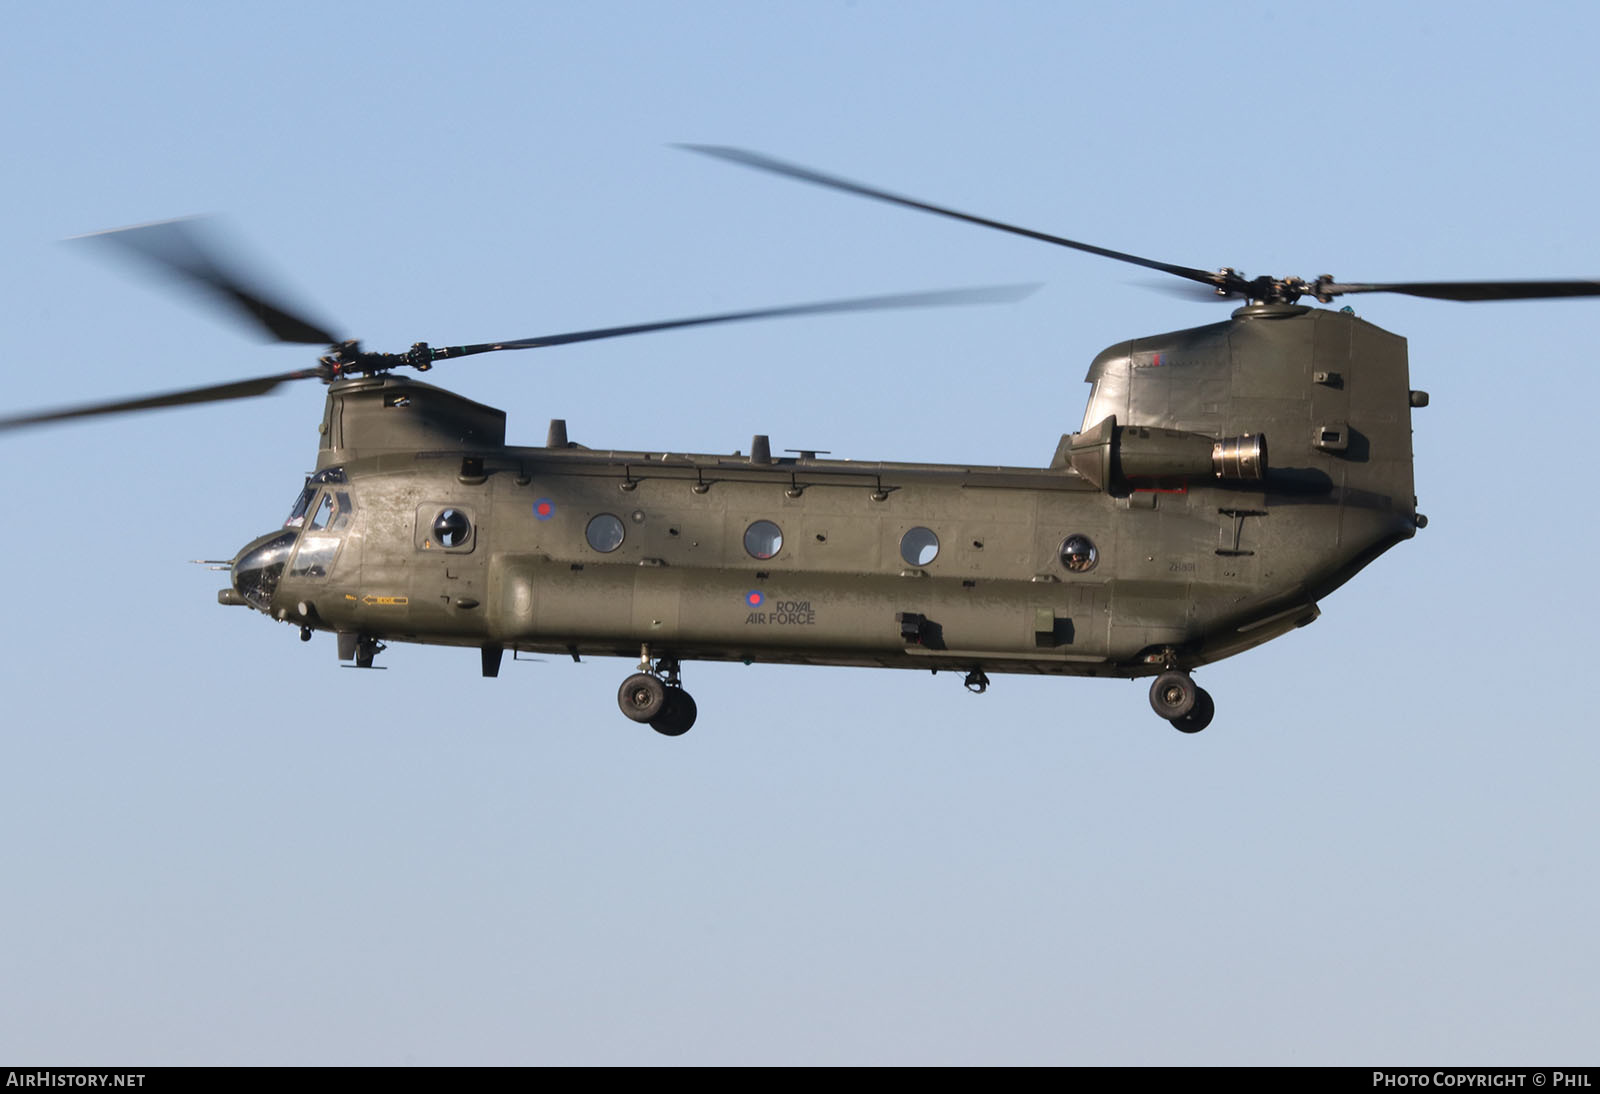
(1160, 537)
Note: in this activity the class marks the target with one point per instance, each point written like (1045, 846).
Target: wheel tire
(1173, 695)
(641, 696)
(677, 714)
(1198, 718)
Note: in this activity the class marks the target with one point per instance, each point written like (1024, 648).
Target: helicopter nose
(258, 568)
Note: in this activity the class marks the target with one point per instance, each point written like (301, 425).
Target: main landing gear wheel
(654, 695)
(677, 715)
(1198, 718)
(1173, 695)
(1177, 698)
(642, 697)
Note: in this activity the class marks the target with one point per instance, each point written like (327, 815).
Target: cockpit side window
(302, 504)
(324, 514)
(315, 556)
(341, 511)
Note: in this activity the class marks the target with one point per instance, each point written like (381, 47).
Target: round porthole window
(451, 528)
(604, 533)
(919, 546)
(763, 539)
(1078, 554)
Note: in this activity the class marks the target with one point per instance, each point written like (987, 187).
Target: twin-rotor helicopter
(1161, 536)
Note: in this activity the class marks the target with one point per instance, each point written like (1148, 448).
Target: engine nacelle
(1110, 455)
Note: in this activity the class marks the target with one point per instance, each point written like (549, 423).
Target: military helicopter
(1160, 537)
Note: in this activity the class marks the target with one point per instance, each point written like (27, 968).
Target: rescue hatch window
(451, 528)
(919, 546)
(763, 539)
(1078, 554)
(604, 533)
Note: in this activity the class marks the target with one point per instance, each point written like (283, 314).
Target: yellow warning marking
(386, 601)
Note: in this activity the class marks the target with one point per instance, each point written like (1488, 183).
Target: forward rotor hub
(348, 358)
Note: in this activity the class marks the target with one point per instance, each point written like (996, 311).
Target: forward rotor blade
(805, 174)
(1194, 294)
(179, 249)
(1000, 294)
(211, 393)
(1475, 290)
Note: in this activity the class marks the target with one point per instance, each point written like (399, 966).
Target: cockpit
(311, 536)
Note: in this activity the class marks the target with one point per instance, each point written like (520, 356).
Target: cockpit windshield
(297, 515)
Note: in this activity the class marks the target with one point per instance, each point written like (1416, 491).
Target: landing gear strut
(367, 648)
(1177, 698)
(655, 696)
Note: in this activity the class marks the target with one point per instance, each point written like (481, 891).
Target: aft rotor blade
(1000, 294)
(1474, 290)
(211, 393)
(805, 174)
(179, 249)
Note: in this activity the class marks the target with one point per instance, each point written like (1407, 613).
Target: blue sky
(223, 848)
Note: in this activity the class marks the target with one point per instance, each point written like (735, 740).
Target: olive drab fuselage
(1225, 479)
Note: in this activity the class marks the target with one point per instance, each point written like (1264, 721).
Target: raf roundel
(544, 508)
(754, 598)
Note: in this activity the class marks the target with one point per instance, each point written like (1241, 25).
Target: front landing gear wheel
(677, 715)
(1173, 695)
(642, 696)
(1198, 718)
